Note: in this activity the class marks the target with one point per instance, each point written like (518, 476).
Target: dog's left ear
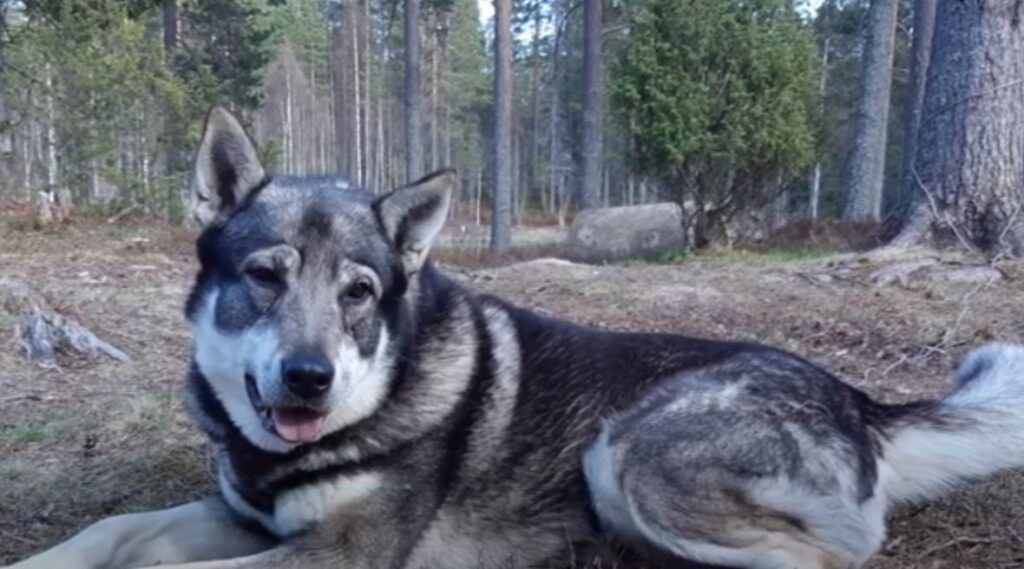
(226, 169)
(413, 216)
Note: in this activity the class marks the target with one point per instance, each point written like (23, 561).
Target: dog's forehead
(324, 217)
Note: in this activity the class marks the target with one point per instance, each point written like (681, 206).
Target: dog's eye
(358, 292)
(264, 276)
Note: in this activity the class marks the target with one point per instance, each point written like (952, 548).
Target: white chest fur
(303, 507)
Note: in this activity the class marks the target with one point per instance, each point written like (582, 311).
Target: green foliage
(468, 84)
(227, 46)
(718, 100)
(122, 111)
(300, 24)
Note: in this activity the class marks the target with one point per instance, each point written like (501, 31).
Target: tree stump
(44, 334)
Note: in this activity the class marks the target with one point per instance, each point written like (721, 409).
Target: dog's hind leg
(196, 531)
(720, 475)
(647, 501)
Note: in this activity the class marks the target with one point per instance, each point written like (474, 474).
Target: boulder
(627, 232)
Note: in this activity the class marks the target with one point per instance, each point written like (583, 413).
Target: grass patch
(32, 430)
(29, 435)
(151, 413)
(9, 473)
(771, 255)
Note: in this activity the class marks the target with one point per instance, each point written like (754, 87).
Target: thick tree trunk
(413, 97)
(924, 27)
(970, 154)
(172, 25)
(501, 203)
(866, 172)
(593, 104)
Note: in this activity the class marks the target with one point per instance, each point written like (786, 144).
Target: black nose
(307, 376)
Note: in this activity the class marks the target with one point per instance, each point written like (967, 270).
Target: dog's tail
(975, 431)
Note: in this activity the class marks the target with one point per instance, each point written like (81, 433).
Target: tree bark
(172, 26)
(534, 163)
(501, 203)
(339, 81)
(435, 131)
(970, 154)
(593, 104)
(816, 177)
(866, 173)
(413, 97)
(51, 133)
(924, 28)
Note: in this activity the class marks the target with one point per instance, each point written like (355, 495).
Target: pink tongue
(296, 425)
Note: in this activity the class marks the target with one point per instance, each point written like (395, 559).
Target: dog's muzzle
(293, 423)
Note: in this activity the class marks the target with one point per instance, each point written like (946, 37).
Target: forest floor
(96, 438)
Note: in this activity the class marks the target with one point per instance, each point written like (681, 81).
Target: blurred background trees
(748, 113)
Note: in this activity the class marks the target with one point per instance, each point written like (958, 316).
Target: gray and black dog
(369, 412)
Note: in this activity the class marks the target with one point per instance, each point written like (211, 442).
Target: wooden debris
(45, 334)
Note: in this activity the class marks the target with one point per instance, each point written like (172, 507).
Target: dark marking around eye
(358, 292)
(265, 276)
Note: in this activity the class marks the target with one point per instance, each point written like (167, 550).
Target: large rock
(628, 232)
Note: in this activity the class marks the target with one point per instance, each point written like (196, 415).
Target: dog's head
(304, 285)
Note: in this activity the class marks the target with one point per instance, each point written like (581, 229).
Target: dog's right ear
(227, 167)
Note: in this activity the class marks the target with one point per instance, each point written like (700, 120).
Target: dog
(369, 412)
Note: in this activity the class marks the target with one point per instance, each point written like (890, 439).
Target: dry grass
(97, 438)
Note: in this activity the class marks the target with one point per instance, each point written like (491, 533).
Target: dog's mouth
(293, 424)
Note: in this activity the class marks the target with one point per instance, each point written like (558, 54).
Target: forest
(842, 180)
(749, 114)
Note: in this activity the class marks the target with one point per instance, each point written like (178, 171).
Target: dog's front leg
(377, 533)
(196, 531)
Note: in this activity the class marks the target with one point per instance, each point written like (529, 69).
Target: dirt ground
(97, 438)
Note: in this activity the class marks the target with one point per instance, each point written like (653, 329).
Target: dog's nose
(307, 376)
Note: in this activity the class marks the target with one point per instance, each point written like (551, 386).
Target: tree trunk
(534, 165)
(289, 125)
(970, 150)
(866, 173)
(556, 76)
(7, 150)
(501, 202)
(924, 27)
(816, 179)
(413, 97)
(593, 104)
(367, 110)
(172, 26)
(339, 82)
(51, 132)
(435, 131)
(357, 108)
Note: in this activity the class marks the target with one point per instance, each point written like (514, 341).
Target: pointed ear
(226, 168)
(413, 216)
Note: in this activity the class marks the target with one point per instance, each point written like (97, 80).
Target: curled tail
(975, 431)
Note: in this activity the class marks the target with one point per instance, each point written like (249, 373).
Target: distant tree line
(747, 113)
